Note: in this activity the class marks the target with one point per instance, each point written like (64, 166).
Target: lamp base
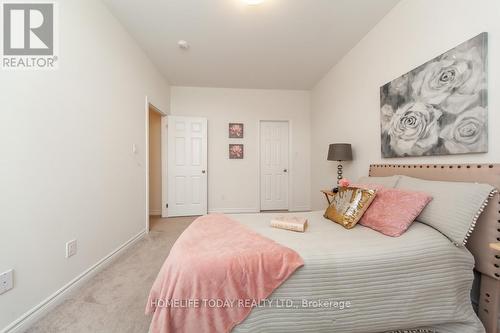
(339, 173)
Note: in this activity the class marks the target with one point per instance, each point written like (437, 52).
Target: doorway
(156, 128)
(155, 177)
(274, 165)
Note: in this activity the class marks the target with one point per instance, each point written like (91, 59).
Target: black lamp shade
(339, 152)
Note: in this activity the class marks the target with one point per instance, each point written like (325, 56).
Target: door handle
(203, 171)
(285, 170)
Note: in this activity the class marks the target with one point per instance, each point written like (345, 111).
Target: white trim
(146, 169)
(233, 210)
(30, 317)
(290, 166)
(164, 163)
(155, 212)
(258, 164)
(253, 210)
(300, 209)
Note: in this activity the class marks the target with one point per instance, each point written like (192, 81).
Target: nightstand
(328, 194)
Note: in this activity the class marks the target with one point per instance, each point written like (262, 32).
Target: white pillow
(390, 181)
(455, 206)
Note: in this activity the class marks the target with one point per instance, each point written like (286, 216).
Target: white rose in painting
(399, 86)
(453, 81)
(468, 132)
(414, 129)
(386, 114)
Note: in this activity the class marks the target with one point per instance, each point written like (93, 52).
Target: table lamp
(339, 152)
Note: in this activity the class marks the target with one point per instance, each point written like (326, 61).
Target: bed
(419, 278)
(415, 282)
(360, 281)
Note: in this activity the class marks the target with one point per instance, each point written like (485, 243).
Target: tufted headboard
(484, 243)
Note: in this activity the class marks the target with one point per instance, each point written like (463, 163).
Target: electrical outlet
(71, 248)
(6, 281)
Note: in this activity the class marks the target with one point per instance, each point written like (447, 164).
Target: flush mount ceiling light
(253, 2)
(184, 45)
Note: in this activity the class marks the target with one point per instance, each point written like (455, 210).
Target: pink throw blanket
(216, 271)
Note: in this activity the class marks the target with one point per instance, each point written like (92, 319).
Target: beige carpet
(114, 300)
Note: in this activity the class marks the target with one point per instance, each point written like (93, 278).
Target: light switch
(6, 281)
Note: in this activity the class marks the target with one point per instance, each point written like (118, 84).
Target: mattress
(360, 281)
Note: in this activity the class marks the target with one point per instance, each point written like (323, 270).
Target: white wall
(345, 103)
(66, 167)
(234, 184)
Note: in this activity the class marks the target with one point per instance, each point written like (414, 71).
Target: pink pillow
(393, 210)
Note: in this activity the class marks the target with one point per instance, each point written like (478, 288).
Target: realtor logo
(29, 38)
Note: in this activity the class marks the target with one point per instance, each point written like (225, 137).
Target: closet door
(274, 165)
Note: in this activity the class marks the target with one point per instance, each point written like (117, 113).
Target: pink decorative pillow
(393, 210)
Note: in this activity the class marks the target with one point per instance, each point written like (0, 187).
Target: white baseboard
(29, 318)
(253, 210)
(300, 209)
(233, 210)
(155, 212)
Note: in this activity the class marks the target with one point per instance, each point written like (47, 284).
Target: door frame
(290, 166)
(163, 115)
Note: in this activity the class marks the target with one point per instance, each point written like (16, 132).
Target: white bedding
(418, 280)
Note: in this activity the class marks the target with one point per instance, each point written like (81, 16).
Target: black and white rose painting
(440, 107)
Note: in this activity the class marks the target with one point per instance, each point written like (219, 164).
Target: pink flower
(235, 130)
(235, 151)
(344, 182)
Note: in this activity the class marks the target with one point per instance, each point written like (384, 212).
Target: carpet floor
(114, 300)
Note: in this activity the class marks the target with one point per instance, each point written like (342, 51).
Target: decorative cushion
(389, 182)
(455, 206)
(393, 210)
(348, 205)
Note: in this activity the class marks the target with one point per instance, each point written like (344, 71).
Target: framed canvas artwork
(236, 151)
(440, 107)
(236, 130)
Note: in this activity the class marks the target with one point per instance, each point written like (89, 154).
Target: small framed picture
(236, 151)
(236, 130)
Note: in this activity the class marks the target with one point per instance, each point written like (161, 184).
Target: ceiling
(279, 44)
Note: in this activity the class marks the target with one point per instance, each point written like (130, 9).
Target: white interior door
(273, 165)
(187, 166)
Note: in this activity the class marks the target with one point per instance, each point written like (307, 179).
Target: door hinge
(166, 205)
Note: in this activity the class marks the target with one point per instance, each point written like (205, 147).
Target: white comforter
(418, 280)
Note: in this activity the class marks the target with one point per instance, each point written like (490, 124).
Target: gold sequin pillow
(348, 205)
